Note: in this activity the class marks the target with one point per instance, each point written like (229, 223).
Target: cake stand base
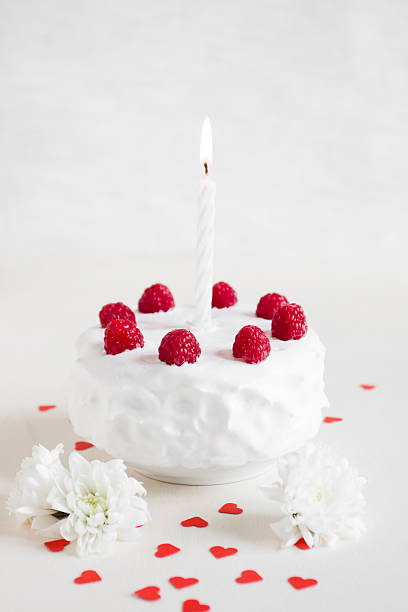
(205, 476)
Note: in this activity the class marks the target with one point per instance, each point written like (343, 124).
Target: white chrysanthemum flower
(28, 499)
(102, 503)
(319, 497)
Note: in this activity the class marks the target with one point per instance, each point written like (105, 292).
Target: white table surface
(101, 105)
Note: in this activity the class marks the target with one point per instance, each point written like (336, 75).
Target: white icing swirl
(216, 414)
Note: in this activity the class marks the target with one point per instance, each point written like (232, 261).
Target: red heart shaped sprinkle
(56, 545)
(301, 583)
(45, 408)
(331, 419)
(88, 576)
(230, 508)
(367, 387)
(195, 521)
(149, 593)
(80, 446)
(181, 583)
(193, 605)
(164, 550)
(248, 576)
(219, 551)
(302, 544)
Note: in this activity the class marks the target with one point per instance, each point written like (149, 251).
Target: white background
(101, 105)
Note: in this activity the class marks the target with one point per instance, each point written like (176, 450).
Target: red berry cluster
(269, 304)
(288, 320)
(156, 298)
(223, 296)
(122, 334)
(251, 344)
(289, 323)
(181, 346)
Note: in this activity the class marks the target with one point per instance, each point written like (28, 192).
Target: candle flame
(206, 146)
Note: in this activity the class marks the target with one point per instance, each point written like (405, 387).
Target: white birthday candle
(205, 234)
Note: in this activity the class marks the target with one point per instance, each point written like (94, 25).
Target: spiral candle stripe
(205, 254)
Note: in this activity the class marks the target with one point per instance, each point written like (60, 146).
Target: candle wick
(206, 167)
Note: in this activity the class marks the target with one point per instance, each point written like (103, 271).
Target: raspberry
(251, 344)
(269, 304)
(122, 335)
(289, 323)
(155, 298)
(223, 296)
(118, 310)
(179, 346)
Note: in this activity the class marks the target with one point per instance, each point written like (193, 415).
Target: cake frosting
(215, 420)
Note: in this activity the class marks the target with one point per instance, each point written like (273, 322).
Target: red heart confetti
(193, 605)
(248, 576)
(80, 446)
(56, 545)
(45, 408)
(302, 544)
(88, 576)
(195, 521)
(219, 551)
(164, 550)
(332, 419)
(301, 583)
(367, 387)
(230, 508)
(149, 593)
(181, 583)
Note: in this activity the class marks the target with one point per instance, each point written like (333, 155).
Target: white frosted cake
(216, 420)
